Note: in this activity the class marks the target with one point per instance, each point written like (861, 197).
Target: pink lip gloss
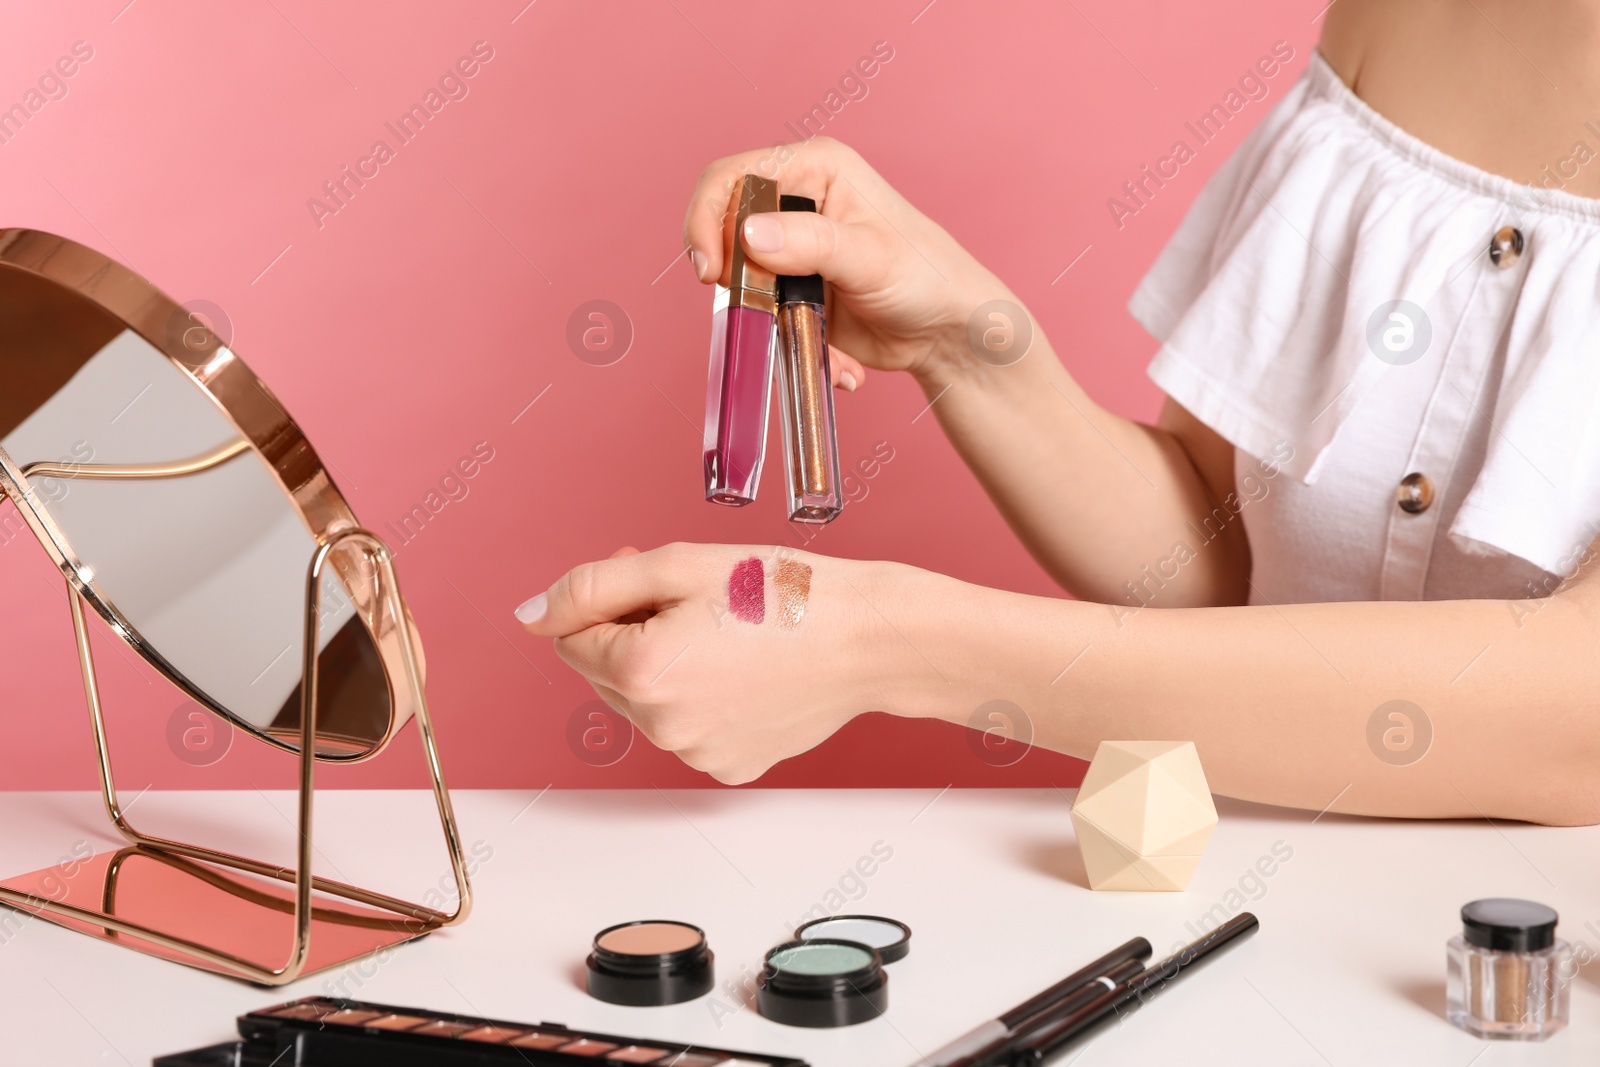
(810, 439)
(744, 328)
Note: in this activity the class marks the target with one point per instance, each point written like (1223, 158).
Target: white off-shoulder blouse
(1403, 349)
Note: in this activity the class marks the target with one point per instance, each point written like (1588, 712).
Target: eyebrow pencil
(1054, 1038)
(1071, 993)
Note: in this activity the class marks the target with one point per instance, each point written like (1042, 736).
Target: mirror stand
(177, 901)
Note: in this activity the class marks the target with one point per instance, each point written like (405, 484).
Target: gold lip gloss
(810, 438)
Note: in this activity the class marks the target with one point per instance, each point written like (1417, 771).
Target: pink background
(428, 312)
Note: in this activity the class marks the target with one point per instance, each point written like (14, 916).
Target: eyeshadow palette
(319, 1032)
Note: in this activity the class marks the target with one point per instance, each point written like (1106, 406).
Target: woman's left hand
(732, 657)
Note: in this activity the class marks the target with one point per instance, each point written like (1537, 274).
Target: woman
(1374, 479)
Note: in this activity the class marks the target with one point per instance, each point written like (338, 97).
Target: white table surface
(1348, 967)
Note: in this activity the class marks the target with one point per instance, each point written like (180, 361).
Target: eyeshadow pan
(650, 962)
(650, 939)
(351, 1017)
(637, 1054)
(694, 1059)
(816, 958)
(303, 1011)
(491, 1035)
(397, 1022)
(540, 1040)
(866, 931)
(891, 937)
(444, 1028)
(585, 1047)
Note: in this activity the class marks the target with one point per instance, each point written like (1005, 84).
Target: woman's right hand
(902, 287)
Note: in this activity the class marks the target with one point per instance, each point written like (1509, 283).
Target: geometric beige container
(1143, 815)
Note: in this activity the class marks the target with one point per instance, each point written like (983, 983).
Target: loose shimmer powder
(791, 582)
(747, 590)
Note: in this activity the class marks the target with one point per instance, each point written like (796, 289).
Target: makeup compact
(650, 963)
(743, 331)
(331, 1033)
(822, 982)
(1509, 977)
(890, 937)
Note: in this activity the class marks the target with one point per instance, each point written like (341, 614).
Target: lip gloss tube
(810, 438)
(743, 330)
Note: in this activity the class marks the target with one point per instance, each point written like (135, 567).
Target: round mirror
(183, 502)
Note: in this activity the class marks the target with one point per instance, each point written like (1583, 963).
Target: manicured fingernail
(697, 260)
(847, 381)
(532, 611)
(763, 234)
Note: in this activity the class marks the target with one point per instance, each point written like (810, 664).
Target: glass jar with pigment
(1510, 977)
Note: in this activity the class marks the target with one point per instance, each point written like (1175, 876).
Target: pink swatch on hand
(747, 597)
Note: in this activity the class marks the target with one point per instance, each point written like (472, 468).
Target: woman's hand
(903, 289)
(732, 657)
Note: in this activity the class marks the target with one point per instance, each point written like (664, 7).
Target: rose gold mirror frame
(230, 384)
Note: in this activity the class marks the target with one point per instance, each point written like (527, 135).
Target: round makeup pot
(650, 963)
(890, 937)
(822, 982)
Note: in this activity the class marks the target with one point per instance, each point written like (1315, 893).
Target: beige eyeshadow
(791, 584)
(351, 1017)
(444, 1028)
(540, 1040)
(303, 1011)
(585, 1047)
(491, 1035)
(650, 939)
(397, 1022)
(636, 1054)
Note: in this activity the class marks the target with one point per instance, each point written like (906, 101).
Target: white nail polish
(847, 380)
(532, 611)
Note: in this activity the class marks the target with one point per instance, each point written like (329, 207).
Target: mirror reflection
(182, 529)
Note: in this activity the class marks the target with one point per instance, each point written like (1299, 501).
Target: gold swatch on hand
(792, 583)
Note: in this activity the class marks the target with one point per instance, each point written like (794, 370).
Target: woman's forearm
(1280, 701)
(1093, 496)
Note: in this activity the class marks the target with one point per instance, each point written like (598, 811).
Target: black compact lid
(1506, 925)
(799, 289)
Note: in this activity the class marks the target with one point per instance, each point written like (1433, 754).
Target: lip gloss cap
(749, 283)
(799, 288)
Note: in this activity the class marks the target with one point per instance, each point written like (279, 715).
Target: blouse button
(1415, 494)
(1505, 247)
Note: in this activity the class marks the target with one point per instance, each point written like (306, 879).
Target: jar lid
(1506, 925)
